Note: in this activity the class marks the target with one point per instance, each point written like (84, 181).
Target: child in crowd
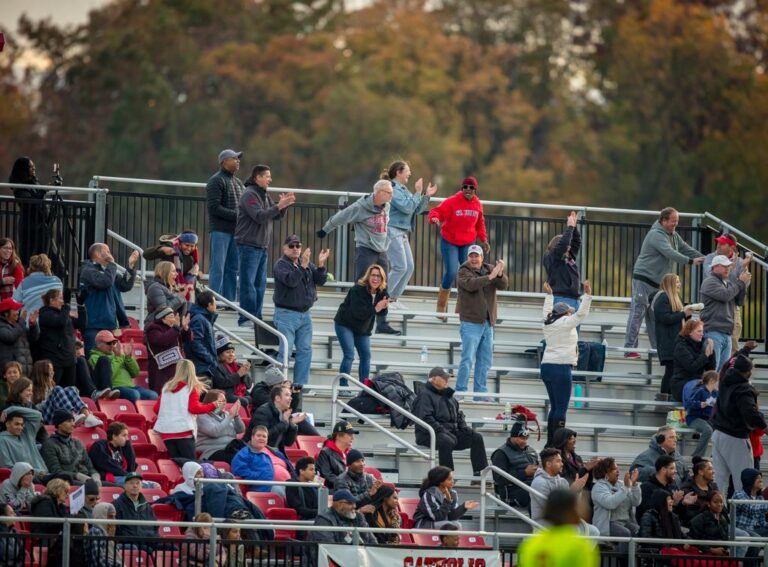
(183, 252)
(18, 490)
(699, 401)
(235, 551)
(196, 549)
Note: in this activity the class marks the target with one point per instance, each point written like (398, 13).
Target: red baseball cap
(9, 304)
(728, 239)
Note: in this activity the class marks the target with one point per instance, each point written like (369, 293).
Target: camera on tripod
(56, 178)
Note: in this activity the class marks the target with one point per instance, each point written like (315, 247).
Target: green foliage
(636, 104)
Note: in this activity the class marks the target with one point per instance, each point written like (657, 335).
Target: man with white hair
(369, 215)
(720, 296)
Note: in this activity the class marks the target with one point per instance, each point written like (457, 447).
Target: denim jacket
(405, 206)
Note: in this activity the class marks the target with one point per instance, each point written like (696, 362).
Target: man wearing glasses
(222, 192)
(296, 281)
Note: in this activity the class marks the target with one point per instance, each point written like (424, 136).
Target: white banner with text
(351, 556)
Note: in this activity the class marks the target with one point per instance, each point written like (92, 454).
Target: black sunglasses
(296, 245)
(470, 187)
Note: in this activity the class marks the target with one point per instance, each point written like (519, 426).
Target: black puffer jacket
(392, 386)
(668, 325)
(562, 271)
(690, 363)
(57, 335)
(736, 411)
(440, 410)
(282, 433)
(15, 339)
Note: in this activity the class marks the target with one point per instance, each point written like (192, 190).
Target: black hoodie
(736, 411)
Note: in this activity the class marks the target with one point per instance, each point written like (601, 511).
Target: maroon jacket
(160, 337)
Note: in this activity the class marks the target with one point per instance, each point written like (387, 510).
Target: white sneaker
(79, 418)
(398, 305)
(93, 421)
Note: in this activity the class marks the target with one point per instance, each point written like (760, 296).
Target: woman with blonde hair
(11, 270)
(667, 309)
(39, 280)
(163, 292)
(354, 319)
(177, 409)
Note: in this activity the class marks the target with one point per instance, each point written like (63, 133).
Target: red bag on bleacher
(529, 416)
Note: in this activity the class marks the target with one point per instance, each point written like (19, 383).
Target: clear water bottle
(424, 354)
(508, 411)
(578, 391)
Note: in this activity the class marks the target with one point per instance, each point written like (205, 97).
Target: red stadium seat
(110, 493)
(157, 441)
(89, 403)
(141, 355)
(141, 445)
(88, 435)
(147, 409)
(264, 501)
(408, 506)
(134, 323)
(167, 559)
(145, 465)
(136, 558)
(311, 443)
(170, 469)
(374, 471)
(49, 429)
(167, 513)
(283, 514)
(295, 454)
(406, 539)
(4, 473)
(124, 411)
(137, 335)
(170, 531)
(142, 380)
(153, 494)
(222, 465)
(472, 541)
(405, 521)
(426, 540)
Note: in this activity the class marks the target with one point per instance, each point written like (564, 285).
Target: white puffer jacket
(561, 336)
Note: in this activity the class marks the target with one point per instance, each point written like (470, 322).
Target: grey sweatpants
(640, 309)
(730, 456)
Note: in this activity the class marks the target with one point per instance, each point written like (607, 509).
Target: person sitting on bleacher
(217, 432)
(663, 442)
(278, 417)
(202, 348)
(564, 440)
(547, 479)
(99, 549)
(113, 457)
(261, 390)
(748, 517)
(64, 454)
(701, 483)
(664, 479)
(18, 490)
(100, 291)
(48, 397)
(361, 484)
(53, 504)
(17, 442)
(303, 499)
(12, 550)
(118, 358)
(332, 458)
(231, 377)
(341, 514)
(437, 406)
(132, 505)
(438, 501)
(614, 501)
(518, 459)
(258, 461)
(385, 514)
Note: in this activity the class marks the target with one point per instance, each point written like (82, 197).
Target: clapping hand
(690, 499)
(587, 288)
(580, 482)
(132, 259)
(431, 190)
(322, 258)
(286, 200)
(33, 318)
(235, 409)
(709, 348)
(745, 276)
(471, 504)
(305, 257)
(185, 322)
(571, 220)
(376, 485)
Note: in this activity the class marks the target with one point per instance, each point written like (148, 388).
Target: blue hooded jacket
(201, 350)
(250, 465)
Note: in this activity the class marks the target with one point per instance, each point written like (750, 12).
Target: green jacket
(124, 368)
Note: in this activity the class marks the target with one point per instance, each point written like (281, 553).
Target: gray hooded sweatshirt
(659, 254)
(646, 462)
(544, 483)
(18, 498)
(370, 223)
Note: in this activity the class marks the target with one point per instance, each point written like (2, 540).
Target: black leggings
(666, 380)
(181, 450)
(65, 376)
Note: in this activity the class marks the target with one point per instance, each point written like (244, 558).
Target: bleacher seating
(89, 435)
(266, 500)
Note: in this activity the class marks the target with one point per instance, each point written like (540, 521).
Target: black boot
(556, 425)
(550, 432)
(383, 327)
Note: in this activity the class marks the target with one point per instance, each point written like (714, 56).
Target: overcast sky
(62, 11)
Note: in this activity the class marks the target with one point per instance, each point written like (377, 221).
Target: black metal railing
(62, 229)
(609, 248)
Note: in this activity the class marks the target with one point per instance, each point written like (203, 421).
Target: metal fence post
(632, 553)
(341, 244)
(322, 499)
(584, 250)
(66, 535)
(198, 497)
(100, 212)
(213, 553)
(695, 270)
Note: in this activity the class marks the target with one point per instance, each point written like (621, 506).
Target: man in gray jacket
(342, 515)
(661, 250)
(65, 455)
(222, 192)
(362, 485)
(518, 459)
(663, 442)
(720, 296)
(370, 217)
(17, 442)
(256, 213)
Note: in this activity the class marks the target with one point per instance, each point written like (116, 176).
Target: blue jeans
(400, 262)
(297, 328)
(253, 279)
(222, 265)
(350, 342)
(137, 393)
(558, 381)
(722, 347)
(453, 257)
(477, 349)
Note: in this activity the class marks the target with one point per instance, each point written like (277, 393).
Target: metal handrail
(65, 189)
(393, 407)
(515, 512)
(512, 204)
(283, 366)
(322, 491)
(732, 229)
(143, 269)
(517, 482)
